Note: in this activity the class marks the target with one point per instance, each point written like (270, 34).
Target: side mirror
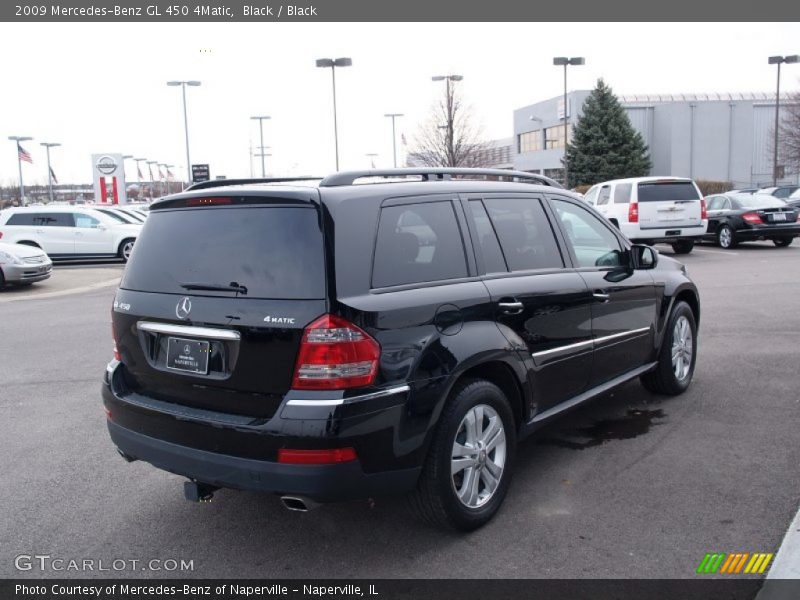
(643, 256)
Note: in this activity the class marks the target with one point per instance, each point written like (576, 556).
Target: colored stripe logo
(734, 563)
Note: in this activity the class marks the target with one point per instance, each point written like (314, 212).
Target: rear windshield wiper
(216, 287)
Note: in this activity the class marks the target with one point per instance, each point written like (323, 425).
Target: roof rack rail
(434, 174)
(212, 183)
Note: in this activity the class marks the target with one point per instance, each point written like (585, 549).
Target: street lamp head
(138, 159)
(49, 144)
(794, 58)
(193, 83)
(560, 60)
(20, 138)
(577, 60)
(174, 83)
(124, 156)
(343, 62)
(450, 77)
(456, 77)
(258, 118)
(394, 115)
(324, 62)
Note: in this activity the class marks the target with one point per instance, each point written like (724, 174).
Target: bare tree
(790, 133)
(450, 136)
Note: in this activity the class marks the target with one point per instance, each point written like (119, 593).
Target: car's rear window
(275, 252)
(759, 201)
(659, 191)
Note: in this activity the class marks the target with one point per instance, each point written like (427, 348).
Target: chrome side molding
(339, 401)
(208, 333)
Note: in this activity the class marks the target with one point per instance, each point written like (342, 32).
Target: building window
(554, 136)
(530, 141)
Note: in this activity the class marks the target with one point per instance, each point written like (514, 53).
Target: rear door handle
(601, 296)
(511, 306)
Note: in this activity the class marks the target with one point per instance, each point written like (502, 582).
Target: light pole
(150, 164)
(261, 133)
(47, 146)
(183, 85)
(263, 154)
(450, 133)
(333, 63)
(778, 60)
(18, 139)
(393, 116)
(575, 61)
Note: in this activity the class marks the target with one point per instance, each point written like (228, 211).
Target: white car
(69, 232)
(651, 210)
(23, 265)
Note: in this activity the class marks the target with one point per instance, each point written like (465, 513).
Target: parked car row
(673, 210)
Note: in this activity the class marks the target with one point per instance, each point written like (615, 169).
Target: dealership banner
(171, 11)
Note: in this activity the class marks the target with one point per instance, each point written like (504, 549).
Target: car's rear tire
(125, 249)
(469, 465)
(782, 242)
(677, 356)
(726, 237)
(682, 246)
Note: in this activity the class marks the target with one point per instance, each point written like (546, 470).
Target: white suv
(653, 209)
(68, 231)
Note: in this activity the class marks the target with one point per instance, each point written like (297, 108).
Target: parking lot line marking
(723, 252)
(77, 290)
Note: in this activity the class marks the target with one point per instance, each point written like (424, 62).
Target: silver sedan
(23, 265)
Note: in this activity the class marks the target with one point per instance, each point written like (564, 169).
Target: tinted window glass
(715, 202)
(39, 219)
(275, 252)
(759, 201)
(605, 194)
(592, 241)
(487, 239)
(667, 190)
(622, 193)
(417, 243)
(525, 234)
(591, 195)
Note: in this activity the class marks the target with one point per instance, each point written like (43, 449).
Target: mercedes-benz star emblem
(183, 308)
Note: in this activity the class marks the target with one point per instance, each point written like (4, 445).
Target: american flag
(160, 174)
(23, 154)
(53, 175)
(170, 176)
(139, 171)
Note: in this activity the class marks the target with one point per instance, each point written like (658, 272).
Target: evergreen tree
(604, 144)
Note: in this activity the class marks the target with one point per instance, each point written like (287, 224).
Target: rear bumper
(27, 273)
(668, 234)
(322, 483)
(239, 452)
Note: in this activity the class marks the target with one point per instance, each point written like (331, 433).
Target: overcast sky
(102, 88)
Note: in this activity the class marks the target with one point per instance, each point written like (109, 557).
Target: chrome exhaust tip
(298, 503)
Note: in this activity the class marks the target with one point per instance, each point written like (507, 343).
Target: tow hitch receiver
(198, 492)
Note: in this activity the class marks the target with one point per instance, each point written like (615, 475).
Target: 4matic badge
(279, 320)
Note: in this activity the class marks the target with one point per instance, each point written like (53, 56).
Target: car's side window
(726, 204)
(604, 195)
(593, 243)
(715, 202)
(525, 234)
(20, 219)
(44, 220)
(591, 195)
(85, 221)
(487, 239)
(418, 243)
(622, 193)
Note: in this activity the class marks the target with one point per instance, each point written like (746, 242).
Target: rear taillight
(114, 338)
(633, 212)
(316, 457)
(335, 354)
(703, 209)
(752, 218)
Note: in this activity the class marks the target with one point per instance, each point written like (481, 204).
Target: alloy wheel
(682, 348)
(479, 455)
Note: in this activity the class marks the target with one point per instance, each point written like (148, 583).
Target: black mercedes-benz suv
(380, 332)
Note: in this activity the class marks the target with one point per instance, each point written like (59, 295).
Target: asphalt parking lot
(633, 485)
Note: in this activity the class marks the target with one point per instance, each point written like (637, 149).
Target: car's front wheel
(468, 469)
(682, 246)
(678, 354)
(125, 249)
(782, 242)
(726, 238)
